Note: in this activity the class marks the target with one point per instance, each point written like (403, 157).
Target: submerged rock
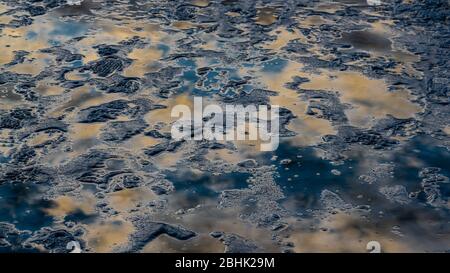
(431, 180)
(237, 244)
(147, 231)
(118, 131)
(54, 241)
(396, 193)
(106, 66)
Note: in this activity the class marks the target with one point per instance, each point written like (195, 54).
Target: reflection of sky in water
(274, 66)
(302, 180)
(195, 187)
(306, 175)
(421, 153)
(214, 80)
(68, 29)
(22, 206)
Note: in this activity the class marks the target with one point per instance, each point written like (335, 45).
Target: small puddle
(106, 235)
(310, 129)
(22, 206)
(370, 98)
(266, 16)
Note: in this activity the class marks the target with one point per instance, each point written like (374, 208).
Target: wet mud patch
(86, 154)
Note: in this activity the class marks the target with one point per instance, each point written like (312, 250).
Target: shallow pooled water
(86, 153)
